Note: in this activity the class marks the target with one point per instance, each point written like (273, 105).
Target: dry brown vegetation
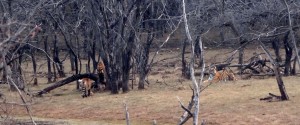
(221, 103)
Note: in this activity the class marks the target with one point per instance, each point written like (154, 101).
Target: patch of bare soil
(223, 103)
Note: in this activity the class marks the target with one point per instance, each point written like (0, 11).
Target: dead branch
(126, 114)
(276, 96)
(184, 108)
(205, 87)
(68, 80)
(186, 115)
(271, 97)
(266, 74)
(251, 66)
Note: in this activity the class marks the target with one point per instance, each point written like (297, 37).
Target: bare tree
(15, 32)
(292, 34)
(195, 104)
(280, 83)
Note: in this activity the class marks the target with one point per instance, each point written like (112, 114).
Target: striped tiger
(86, 87)
(101, 73)
(231, 77)
(218, 76)
(101, 67)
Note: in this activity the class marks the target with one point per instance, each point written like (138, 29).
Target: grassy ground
(221, 103)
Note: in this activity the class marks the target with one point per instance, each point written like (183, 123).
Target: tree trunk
(93, 56)
(275, 45)
(114, 82)
(77, 61)
(142, 61)
(46, 48)
(142, 78)
(195, 84)
(126, 70)
(16, 76)
(72, 61)
(126, 61)
(58, 63)
(185, 67)
(54, 72)
(32, 54)
(241, 54)
(288, 55)
(197, 49)
(281, 86)
(73, 57)
(280, 83)
(293, 71)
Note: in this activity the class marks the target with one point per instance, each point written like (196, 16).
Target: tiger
(231, 77)
(101, 73)
(100, 67)
(218, 76)
(86, 85)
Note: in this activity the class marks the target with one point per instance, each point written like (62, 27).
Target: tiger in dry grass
(219, 76)
(86, 85)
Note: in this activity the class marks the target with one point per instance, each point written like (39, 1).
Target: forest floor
(225, 103)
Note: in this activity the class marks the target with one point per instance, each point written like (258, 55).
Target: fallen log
(251, 66)
(264, 74)
(67, 81)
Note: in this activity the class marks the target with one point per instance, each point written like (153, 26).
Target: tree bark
(58, 63)
(241, 53)
(46, 48)
(288, 55)
(16, 76)
(142, 61)
(185, 68)
(126, 69)
(275, 45)
(34, 65)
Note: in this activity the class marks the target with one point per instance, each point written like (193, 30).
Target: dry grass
(221, 103)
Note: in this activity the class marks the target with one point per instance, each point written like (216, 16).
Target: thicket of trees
(122, 32)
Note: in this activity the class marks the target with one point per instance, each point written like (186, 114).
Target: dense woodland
(122, 33)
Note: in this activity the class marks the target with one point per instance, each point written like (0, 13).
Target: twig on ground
(126, 113)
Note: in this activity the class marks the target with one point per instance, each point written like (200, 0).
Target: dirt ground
(223, 103)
